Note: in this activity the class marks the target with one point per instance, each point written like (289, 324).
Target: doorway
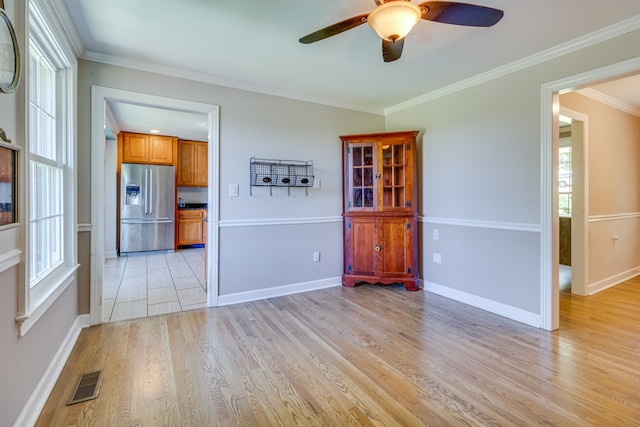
(573, 205)
(550, 106)
(100, 96)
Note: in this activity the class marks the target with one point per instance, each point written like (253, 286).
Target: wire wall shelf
(280, 173)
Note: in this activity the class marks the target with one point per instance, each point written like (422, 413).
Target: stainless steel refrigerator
(147, 206)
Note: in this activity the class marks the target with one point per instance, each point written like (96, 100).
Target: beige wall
(614, 190)
(614, 156)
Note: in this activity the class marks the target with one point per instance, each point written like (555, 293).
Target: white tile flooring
(146, 285)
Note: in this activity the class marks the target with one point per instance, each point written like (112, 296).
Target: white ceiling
(144, 119)
(254, 45)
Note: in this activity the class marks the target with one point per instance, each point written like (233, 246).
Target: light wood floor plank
(365, 356)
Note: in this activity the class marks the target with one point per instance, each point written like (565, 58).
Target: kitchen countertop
(188, 206)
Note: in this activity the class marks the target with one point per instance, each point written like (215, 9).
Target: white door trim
(99, 97)
(580, 201)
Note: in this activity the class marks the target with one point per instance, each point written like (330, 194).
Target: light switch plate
(233, 190)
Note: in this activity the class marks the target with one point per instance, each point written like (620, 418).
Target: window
(565, 175)
(46, 169)
(51, 258)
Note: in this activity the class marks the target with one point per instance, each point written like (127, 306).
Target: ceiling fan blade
(334, 29)
(460, 13)
(392, 50)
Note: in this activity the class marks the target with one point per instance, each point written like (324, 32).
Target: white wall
(193, 194)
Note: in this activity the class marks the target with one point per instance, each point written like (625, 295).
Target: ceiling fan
(393, 19)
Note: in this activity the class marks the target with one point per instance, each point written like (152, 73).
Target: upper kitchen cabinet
(151, 149)
(192, 163)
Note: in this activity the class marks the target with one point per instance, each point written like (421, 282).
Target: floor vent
(86, 388)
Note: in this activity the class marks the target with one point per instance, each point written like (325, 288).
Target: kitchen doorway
(152, 284)
(100, 97)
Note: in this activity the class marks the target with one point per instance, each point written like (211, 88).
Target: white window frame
(50, 38)
(566, 192)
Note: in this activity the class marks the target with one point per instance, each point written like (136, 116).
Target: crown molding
(610, 101)
(596, 37)
(61, 12)
(219, 81)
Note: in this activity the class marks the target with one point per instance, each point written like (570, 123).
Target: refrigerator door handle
(146, 188)
(146, 221)
(150, 191)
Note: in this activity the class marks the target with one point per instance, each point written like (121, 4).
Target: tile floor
(146, 285)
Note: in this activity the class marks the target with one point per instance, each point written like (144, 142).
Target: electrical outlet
(316, 257)
(436, 234)
(437, 258)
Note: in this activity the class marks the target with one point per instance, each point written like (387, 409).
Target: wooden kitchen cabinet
(193, 163)
(150, 149)
(191, 227)
(380, 215)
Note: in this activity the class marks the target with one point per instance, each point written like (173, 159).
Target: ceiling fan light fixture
(393, 20)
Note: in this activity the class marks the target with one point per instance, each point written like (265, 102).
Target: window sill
(44, 296)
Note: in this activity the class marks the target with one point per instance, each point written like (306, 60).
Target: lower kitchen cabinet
(191, 227)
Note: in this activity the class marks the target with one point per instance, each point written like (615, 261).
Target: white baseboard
(616, 279)
(113, 254)
(513, 313)
(278, 291)
(31, 411)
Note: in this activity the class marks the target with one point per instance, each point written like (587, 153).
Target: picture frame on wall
(8, 182)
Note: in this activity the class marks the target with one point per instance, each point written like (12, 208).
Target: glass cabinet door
(361, 192)
(394, 162)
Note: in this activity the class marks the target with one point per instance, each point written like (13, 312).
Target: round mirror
(9, 56)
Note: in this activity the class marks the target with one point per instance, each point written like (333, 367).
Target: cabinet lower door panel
(190, 232)
(361, 244)
(394, 240)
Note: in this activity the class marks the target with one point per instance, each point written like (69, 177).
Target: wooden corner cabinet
(192, 163)
(380, 212)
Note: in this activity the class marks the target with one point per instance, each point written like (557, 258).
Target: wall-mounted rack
(280, 173)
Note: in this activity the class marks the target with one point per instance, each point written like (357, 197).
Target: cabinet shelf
(280, 173)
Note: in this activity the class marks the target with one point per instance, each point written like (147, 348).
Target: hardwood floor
(363, 356)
